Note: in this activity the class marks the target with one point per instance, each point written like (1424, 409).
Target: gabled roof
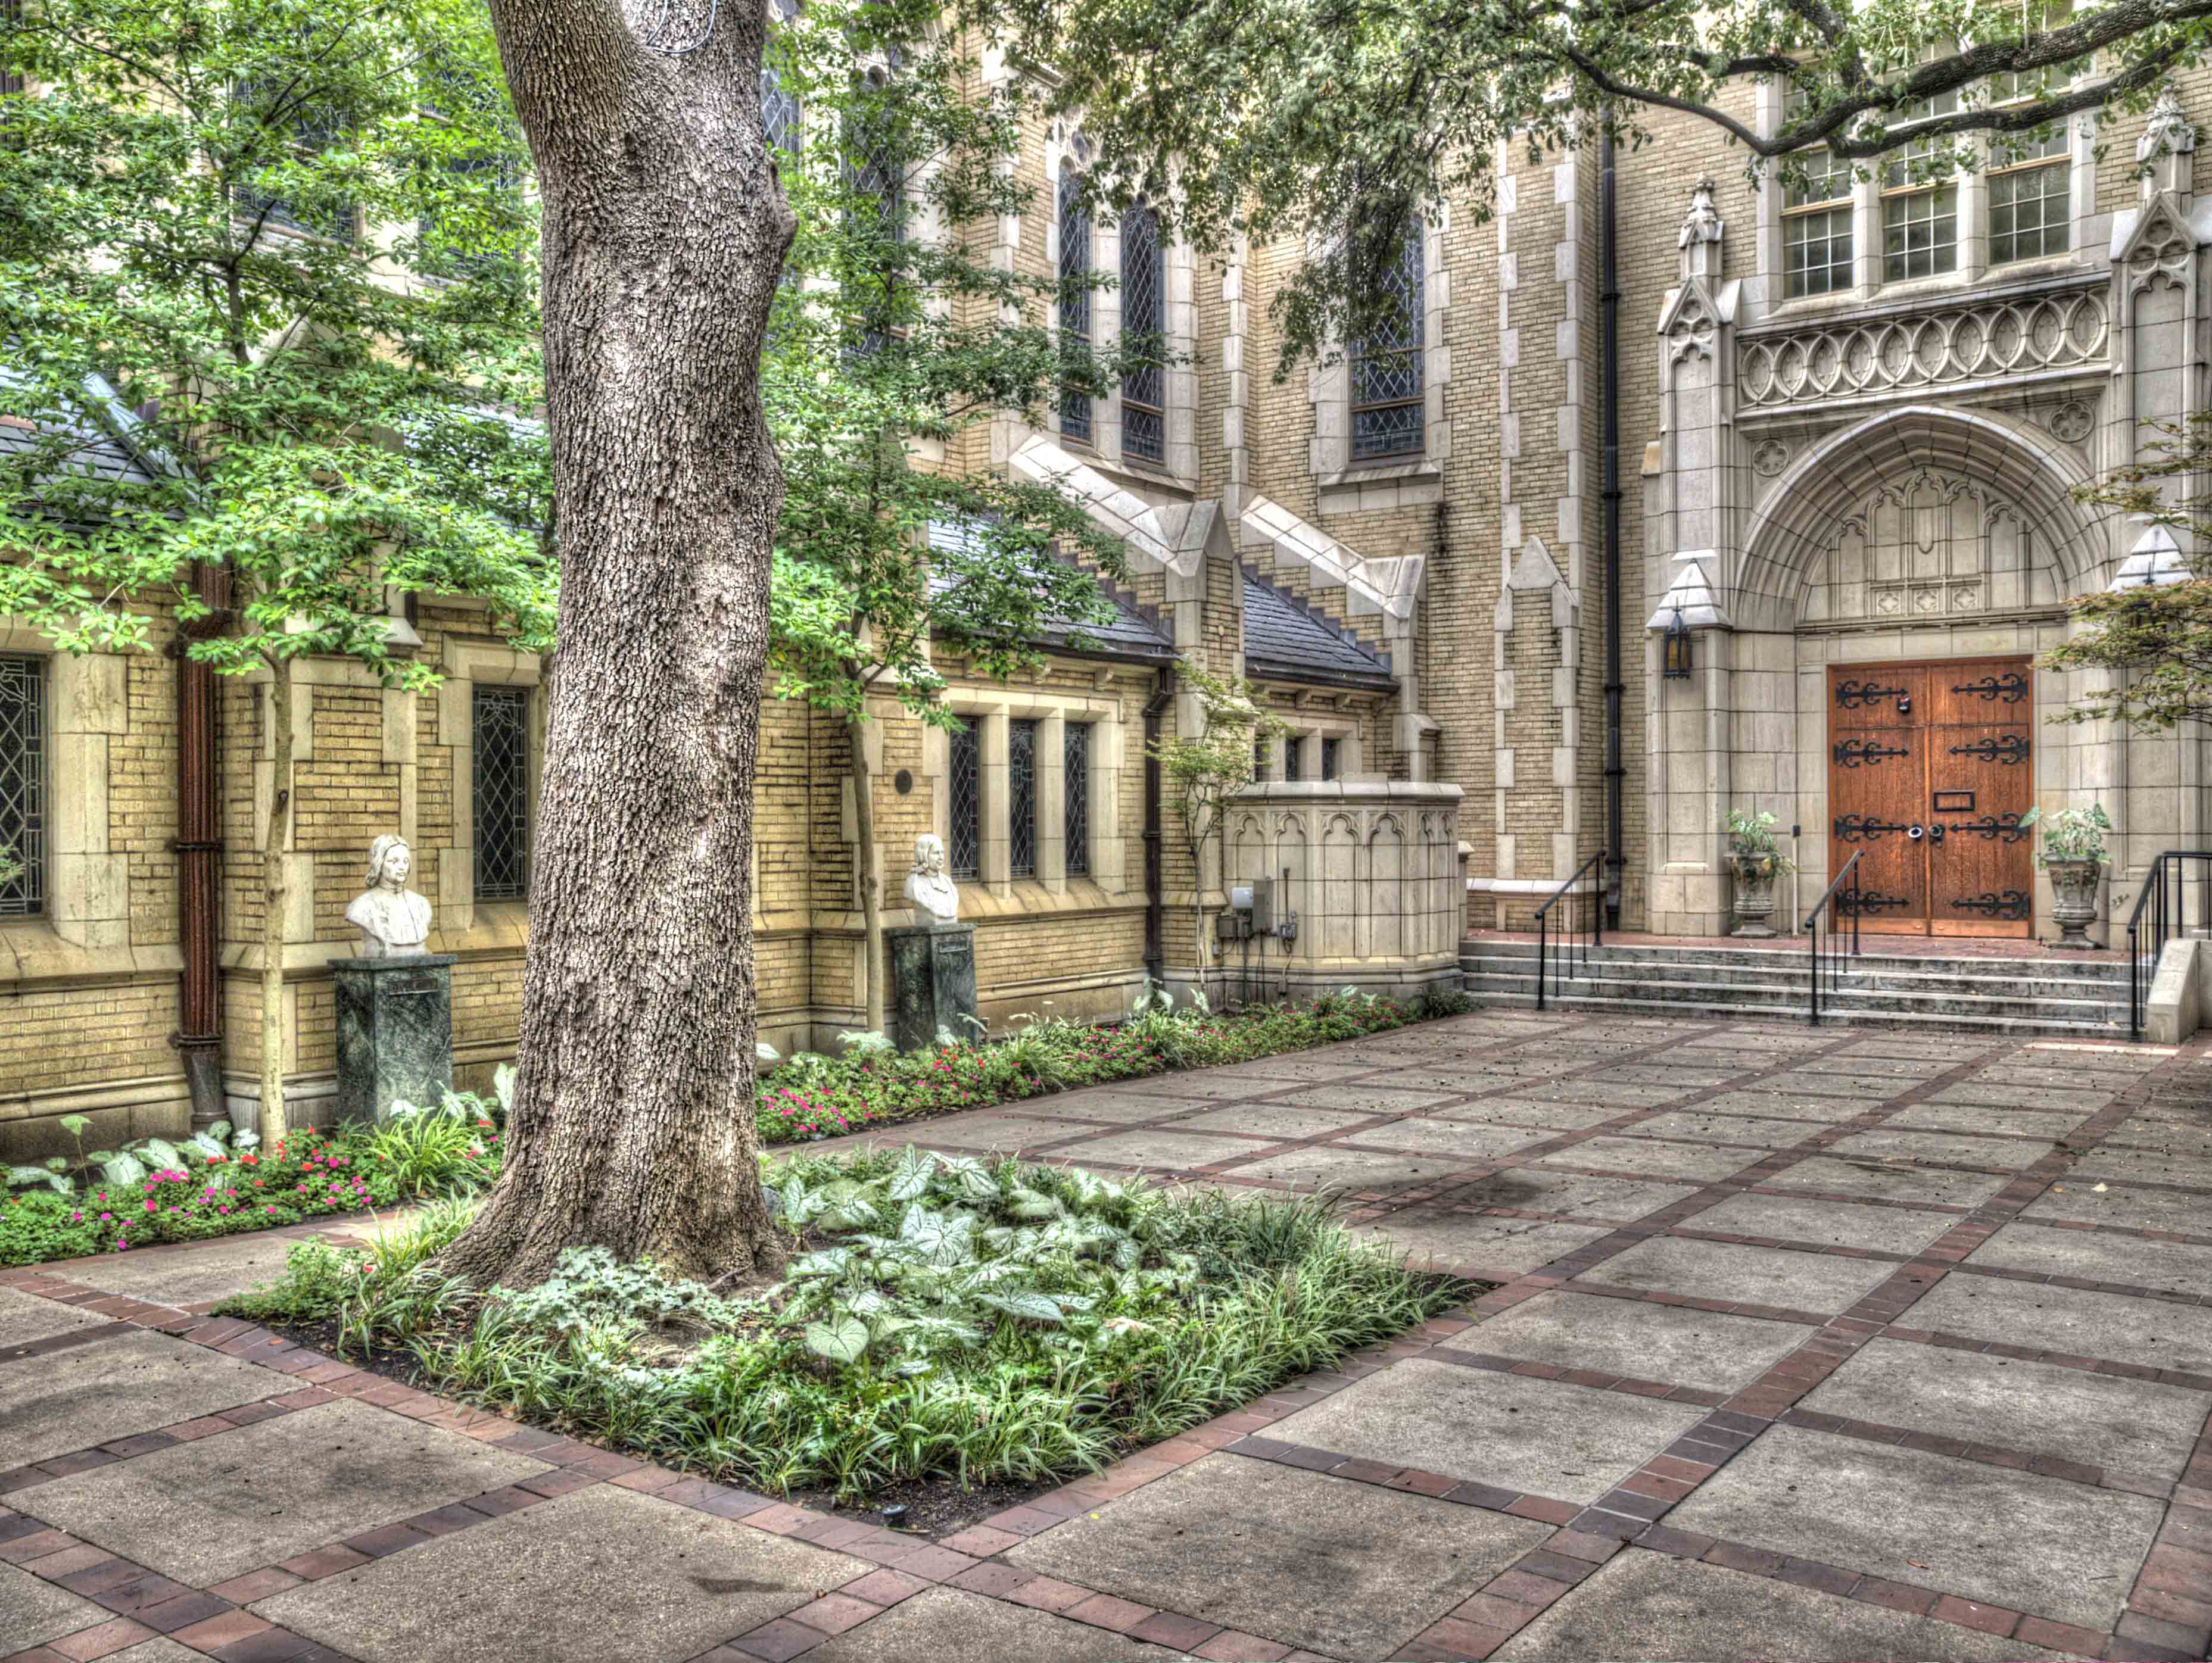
(99, 448)
(1285, 640)
(1133, 632)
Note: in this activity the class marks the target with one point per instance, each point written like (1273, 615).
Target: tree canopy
(1331, 121)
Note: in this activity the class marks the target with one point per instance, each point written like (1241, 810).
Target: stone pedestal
(932, 983)
(395, 1021)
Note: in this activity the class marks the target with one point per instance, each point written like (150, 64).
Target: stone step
(1847, 996)
(1737, 1009)
(2019, 979)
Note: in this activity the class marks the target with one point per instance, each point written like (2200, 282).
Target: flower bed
(944, 1320)
(813, 1098)
(214, 1186)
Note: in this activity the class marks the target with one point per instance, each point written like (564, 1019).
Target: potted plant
(2073, 852)
(1758, 860)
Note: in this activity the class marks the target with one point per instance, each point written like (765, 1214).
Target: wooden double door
(1930, 767)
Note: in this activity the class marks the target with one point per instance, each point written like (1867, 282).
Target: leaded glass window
(1074, 296)
(1259, 759)
(875, 170)
(499, 729)
(11, 81)
(1328, 758)
(1144, 322)
(23, 784)
(963, 849)
(1075, 797)
(1387, 414)
(1290, 748)
(779, 112)
(310, 132)
(1021, 798)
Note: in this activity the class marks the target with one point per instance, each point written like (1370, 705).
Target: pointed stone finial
(1700, 236)
(2163, 153)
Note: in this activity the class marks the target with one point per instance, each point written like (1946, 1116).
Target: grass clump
(940, 1319)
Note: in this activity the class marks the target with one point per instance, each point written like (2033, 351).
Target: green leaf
(122, 1169)
(843, 1338)
(1025, 1302)
(910, 1181)
(162, 1155)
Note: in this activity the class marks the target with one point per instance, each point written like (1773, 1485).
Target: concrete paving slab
(2050, 1123)
(1770, 1101)
(946, 1623)
(1458, 1139)
(1647, 1604)
(34, 1610)
(1702, 1126)
(1616, 1097)
(1878, 1066)
(1825, 1223)
(1834, 1077)
(976, 1133)
(1211, 1085)
(1886, 1180)
(1440, 1238)
(1325, 1166)
(1533, 1189)
(216, 1507)
(2149, 1131)
(1637, 1339)
(2130, 1206)
(2039, 1545)
(1452, 1081)
(2002, 1095)
(1745, 1275)
(1528, 1112)
(2149, 1332)
(1176, 1151)
(1113, 1107)
(2099, 1256)
(2123, 1425)
(1368, 1099)
(195, 1274)
(1322, 1065)
(26, 1317)
(1656, 1157)
(1273, 1120)
(92, 1394)
(1569, 1442)
(2144, 1166)
(1958, 1149)
(554, 1582)
(1349, 1570)
(159, 1649)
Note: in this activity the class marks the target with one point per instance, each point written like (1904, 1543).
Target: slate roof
(97, 451)
(1134, 632)
(1286, 641)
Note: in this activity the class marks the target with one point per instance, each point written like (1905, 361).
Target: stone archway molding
(1787, 533)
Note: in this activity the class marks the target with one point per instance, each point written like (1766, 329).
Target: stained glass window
(23, 783)
(1021, 798)
(1075, 797)
(1290, 748)
(1386, 414)
(1328, 758)
(500, 790)
(1074, 299)
(1144, 321)
(964, 851)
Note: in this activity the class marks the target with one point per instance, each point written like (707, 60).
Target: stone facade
(1879, 473)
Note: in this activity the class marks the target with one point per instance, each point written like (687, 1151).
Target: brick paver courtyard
(1810, 1344)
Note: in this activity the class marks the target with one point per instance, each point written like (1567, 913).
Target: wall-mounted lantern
(1678, 657)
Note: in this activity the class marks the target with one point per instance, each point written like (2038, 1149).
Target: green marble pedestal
(395, 1033)
(932, 983)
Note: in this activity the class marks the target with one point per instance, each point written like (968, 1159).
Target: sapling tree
(206, 207)
(1201, 771)
(892, 339)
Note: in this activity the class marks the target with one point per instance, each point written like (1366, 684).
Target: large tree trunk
(276, 895)
(871, 897)
(664, 235)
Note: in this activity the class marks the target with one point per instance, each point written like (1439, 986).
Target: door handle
(1935, 831)
(1916, 832)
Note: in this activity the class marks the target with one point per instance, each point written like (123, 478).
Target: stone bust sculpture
(927, 885)
(394, 920)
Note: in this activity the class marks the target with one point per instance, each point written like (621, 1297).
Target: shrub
(945, 1317)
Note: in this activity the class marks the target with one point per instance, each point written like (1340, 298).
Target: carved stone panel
(1929, 546)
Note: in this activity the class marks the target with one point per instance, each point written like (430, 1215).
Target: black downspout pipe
(1156, 957)
(1616, 770)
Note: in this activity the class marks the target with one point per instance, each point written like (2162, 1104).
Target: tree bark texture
(275, 903)
(663, 233)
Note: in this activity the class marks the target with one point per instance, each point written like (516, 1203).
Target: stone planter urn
(2074, 885)
(1755, 896)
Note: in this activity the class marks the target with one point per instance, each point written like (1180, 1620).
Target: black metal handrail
(2157, 919)
(1840, 900)
(1572, 949)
